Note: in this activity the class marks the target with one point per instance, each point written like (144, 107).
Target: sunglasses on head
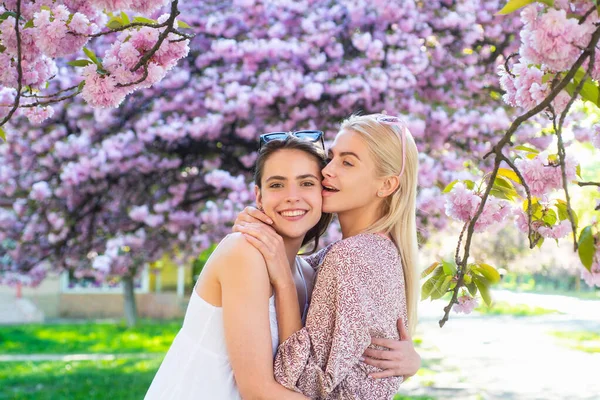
(309, 135)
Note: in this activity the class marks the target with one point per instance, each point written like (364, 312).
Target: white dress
(196, 365)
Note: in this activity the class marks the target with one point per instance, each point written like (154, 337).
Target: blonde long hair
(399, 209)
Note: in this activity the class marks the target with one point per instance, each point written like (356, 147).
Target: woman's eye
(347, 164)
(308, 183)
(275, 185)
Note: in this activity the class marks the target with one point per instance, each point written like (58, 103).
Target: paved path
(477, 357)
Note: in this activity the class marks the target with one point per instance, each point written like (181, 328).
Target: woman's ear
(388, 186)
(258, 196)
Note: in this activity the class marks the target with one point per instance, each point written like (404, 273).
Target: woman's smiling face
(291, 192)
(349, 180)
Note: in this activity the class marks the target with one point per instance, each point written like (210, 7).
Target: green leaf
(429, 269)
(441, 287)
(450, 186)
(510, 174)
(563, 213)
(7, 14)
(125, 18)
(143, 20)
(29, 24)
(586, 248)
(449, 268)
(183, 25)
(578, 170)
(114, 23)
(500, 194)
(514, 5)
(91, 55)
(2, 134)
(469, 184)
(490, 273)
(506, 187)
(527, 149)
(80, 63)
(80, 86)
(483, 287)
(540, 243)
(428, 286)
(472, 287)
(550, 217)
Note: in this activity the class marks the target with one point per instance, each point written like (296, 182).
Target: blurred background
(107, 216)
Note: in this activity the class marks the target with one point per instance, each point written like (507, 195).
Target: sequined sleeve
(353, 299)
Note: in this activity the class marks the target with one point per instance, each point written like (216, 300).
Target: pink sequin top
(359, 293)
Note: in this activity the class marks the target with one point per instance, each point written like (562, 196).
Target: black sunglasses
(311, 136)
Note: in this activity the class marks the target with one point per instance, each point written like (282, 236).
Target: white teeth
(330, 188)
(296, 213)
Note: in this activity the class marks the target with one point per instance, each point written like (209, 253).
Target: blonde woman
(366, 281)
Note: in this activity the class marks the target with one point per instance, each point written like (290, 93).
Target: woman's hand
(270, 244)
(401, 358)
(251, 215)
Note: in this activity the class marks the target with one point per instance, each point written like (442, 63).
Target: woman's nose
(328, 170)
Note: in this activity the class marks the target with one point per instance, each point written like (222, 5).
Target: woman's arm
(245, 300)
(316, 359)
(270, 245)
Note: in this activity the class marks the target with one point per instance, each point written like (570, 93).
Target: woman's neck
(292, 247)
(358, 220)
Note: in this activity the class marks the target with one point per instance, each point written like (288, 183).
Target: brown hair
(293, 143)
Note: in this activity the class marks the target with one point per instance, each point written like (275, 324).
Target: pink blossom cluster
(141, 6)
(61, 33)
(556, 231)
(543, 175)
(465, 304)
(109, 90)
(524, 87)
(462, 205)
(553, 38)
(61, 29)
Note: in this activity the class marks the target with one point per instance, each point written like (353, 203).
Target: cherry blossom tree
(556, 64)
(34, 35)
(104, 191)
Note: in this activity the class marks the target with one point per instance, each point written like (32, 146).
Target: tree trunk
(129, 296)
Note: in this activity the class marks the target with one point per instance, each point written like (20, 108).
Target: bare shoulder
(234, 255)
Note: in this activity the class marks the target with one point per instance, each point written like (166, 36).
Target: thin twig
(532, 241)
(19, 68)
(588, 184)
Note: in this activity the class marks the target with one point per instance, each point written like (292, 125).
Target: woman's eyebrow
(307, 176)
(349, 153)
(276, 178)
(342, 154)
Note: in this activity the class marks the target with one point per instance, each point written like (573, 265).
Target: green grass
(89, 380)
(516, 310)
(579, 340)
(403, 397)
(100, 338)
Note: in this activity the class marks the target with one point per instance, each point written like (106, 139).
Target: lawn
(127, 378)
(138, 354)
(104, 338)
(516, 310)
(579, 340)
(89, 380)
